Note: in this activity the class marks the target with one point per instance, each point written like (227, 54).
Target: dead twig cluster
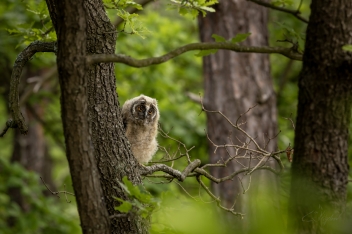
(250, 149)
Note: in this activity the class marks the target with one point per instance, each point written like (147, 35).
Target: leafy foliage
(292, 36)
(193, 7)
(38, 26)
(43, 214)
(132, 24)
(121, 4)
(142, 201)
(169, 82)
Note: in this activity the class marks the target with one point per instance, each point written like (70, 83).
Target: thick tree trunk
(97, 149)
(72, 41)
(320, 166)
(114, 158)
(233, 83)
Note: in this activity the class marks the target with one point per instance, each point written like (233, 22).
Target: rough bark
(97, 150)
(233, 83)
(110, 144)
(320, 166)
(72, 41)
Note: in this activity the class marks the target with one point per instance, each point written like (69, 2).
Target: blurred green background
(178, 212)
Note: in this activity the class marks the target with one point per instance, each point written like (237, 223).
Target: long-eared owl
(140, 119)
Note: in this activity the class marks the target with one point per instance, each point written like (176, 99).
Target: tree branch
(217, 199)
(121, 58)
(292, 12)
(22, 59)
(181, 176)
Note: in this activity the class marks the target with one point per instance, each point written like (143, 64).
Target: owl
(140, 119)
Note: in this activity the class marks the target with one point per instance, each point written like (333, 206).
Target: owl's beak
(146, 112)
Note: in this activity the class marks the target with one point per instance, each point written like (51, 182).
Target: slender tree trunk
(233, 83)
(320, 165)
(97, 149)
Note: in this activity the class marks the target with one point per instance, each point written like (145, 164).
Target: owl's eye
(139, 108)
(150, 112)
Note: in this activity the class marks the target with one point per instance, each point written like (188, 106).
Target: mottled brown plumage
(140, 118)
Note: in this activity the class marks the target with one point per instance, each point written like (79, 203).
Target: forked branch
(256, 155)
(295, 13)
(35, 47)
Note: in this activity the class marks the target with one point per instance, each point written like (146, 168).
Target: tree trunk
(233, 83)
(97, 149)
(320, 165)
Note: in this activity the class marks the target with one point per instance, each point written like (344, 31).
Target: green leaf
(205, 8)
(134, 191)
(125, 206)
(13, 31)
(203, 53)
(347, 48)
(282, 3)
(240, 37)
(218, 38)
(182, 11)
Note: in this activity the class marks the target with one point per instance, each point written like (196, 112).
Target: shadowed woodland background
(27, 206)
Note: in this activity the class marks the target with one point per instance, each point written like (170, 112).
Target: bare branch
(175, 173)
(290, 119)
(194, 97)
(21, 60)
(292, 12)
(9, 124)
(218, 201)
(58, 192)
(232, 175)
(121, 58)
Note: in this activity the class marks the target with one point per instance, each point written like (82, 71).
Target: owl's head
(141, 110)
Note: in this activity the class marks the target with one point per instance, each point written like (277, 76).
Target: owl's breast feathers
(141, 132)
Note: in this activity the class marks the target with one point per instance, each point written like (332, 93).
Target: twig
(232, 175)
(58, 192)
(175, 173)
(249, 184)
(194, 97)
(218, 201)
(293, 124)
(295, 13)
(186, 191)
(240, 152)
(9, 124)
